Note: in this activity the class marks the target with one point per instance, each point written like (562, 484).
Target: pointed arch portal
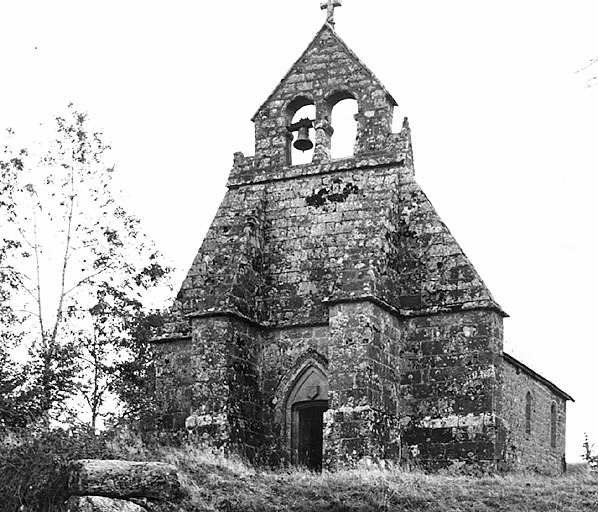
(306, 402)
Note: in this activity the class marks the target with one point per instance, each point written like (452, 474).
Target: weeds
(33, 478)
(33, 466)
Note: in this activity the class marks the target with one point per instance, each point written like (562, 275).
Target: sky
(504, 130)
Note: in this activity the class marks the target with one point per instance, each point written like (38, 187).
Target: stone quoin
(330, 318)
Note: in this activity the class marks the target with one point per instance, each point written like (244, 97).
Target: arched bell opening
(343, 111)
(300, 115)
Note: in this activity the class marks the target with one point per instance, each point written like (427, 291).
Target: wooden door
(308, 419)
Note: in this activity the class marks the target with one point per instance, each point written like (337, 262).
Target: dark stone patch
(325, 196)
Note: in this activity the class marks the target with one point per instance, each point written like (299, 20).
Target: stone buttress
(334, 283)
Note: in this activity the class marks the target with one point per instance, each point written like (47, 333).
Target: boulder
(124, 479)
(100, 504)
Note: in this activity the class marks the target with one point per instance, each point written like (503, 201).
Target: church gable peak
(314, 48)
(327, 72)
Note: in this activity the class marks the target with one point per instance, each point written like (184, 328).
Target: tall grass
(217, 483)
(33, 475)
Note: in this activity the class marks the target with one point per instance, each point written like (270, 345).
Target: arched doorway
(306, 401)
(306, 436)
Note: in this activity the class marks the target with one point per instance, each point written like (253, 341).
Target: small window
(553, 425)
(528, 413)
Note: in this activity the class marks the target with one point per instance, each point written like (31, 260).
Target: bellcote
(327, 72)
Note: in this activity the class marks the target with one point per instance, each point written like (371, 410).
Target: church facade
(330, 317)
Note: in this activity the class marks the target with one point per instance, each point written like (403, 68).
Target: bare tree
(588, 70)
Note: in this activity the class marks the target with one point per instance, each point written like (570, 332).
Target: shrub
(589, 454)
(34, 465)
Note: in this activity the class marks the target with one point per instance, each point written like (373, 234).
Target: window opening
(553, 425)
(345, 128)
(528, 413)
(303, 157)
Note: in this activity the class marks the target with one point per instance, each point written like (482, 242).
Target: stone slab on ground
(124, 479)
(101, 504)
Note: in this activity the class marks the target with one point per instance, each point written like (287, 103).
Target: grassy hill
(34, 471)
(218, 484)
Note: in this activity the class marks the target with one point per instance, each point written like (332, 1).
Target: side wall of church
(529, 439)
(450, 383)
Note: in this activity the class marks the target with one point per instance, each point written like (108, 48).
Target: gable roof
(536, 376)
(326, 28)
(426, 247)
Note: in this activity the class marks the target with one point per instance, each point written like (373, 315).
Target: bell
(303, 143)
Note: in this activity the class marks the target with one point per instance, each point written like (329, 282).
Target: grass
(33, 478)
(215, 483)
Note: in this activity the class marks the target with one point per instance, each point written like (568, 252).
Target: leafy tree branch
(75, 268)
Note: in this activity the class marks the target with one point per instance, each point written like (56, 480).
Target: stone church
(330, 318)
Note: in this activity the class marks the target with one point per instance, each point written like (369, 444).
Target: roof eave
(526, 369)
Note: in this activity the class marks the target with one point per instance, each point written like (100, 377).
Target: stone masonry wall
(532, 451)
(360, 347)
(227, 272)
(427, 267)
(214, 376)
(362, 421)
(327, 72)
(324, 236)
(450, 378)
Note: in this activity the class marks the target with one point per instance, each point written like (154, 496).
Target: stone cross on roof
(330, 5)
